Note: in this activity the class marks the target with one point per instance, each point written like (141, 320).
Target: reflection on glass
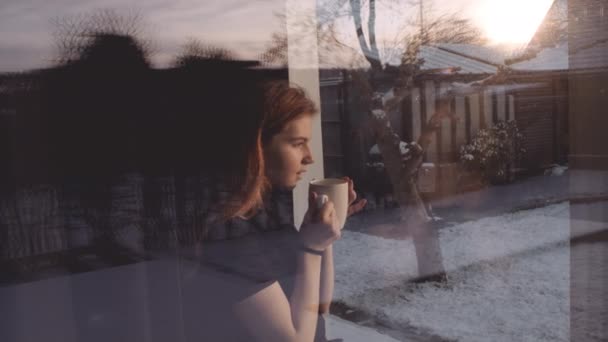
(458, 123)
(473, 129)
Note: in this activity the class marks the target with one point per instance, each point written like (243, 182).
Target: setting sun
(513, 21)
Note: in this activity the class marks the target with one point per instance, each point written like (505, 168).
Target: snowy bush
(493, 151)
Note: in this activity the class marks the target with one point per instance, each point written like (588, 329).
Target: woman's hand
(320, 227)
(353, 207)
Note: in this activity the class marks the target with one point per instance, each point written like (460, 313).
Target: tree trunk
(403, 176)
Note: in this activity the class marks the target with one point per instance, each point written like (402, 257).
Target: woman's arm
(270, 316)
(327, 280)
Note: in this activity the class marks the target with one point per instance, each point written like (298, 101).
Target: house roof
(551, 50)
(548, 48)
(466, 58)
(495, 55)
(538, 55)
(475, 59)
(551, 58)
(437, 58)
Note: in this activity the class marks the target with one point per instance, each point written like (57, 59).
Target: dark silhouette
(113, 147)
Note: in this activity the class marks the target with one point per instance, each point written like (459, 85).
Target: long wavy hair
(281, 103)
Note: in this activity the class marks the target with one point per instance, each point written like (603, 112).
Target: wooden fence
(470, 113)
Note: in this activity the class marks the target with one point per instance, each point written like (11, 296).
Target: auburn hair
(283, 102)
(279, 103)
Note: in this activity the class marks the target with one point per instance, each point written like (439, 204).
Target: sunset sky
(512, 21)
(26, 39)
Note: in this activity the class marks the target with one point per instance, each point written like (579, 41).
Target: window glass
(467, 127)
(156, 159)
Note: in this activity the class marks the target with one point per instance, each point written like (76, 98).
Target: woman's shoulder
(275, 215)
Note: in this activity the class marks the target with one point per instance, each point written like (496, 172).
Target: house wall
(588, 95)
(541, 112)
(588, 56)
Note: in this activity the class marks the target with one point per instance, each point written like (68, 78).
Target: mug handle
(321, 200)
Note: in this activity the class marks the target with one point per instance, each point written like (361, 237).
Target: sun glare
(512, 21)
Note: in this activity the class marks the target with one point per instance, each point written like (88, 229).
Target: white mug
(334, 190)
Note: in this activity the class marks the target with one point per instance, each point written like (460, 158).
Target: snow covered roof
(488, 54)
(437, 58)
(468, 58)
(555, 58)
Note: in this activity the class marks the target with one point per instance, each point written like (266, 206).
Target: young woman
(262, 279)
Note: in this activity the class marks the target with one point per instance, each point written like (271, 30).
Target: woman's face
(288, 153)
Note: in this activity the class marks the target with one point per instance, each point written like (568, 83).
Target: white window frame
(303, 64)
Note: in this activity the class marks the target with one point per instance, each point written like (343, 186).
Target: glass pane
(473, 132)
(155, 160)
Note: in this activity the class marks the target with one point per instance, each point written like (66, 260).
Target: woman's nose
(307, 157)
(308, 160)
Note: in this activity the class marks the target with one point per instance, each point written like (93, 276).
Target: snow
(480, 59)
(389, 95)
(491, 54)
(553, 58)
(509, 278)
(556, 170)
(403, 148)
(509, 281)
(437, 58)
(374, 150)
(379, 114)
(468, 58)
(338, 328)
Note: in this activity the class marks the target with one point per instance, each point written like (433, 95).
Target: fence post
(445, 131)
(487, 108)
(460, 133)
(511, 112)
(416, 114)
(501, 103)
(475, 116)
(429, 99)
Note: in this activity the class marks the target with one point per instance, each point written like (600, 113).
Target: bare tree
(554, 28)
(194, 50)
(370, 51)
(444, 28)
(73, 34)
(438, 28)
(276, 52)
(332, 50)
(552, 32)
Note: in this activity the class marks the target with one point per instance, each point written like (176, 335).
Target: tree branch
(371, 27)
(373, 61)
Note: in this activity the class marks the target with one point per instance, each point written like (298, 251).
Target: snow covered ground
(509, 279)
(337, 328)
